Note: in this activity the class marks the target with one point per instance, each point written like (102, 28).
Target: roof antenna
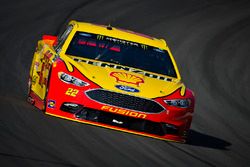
(109, 27)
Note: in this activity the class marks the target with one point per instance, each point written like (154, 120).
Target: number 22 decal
(72, 92)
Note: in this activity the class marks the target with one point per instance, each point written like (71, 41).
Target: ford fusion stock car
(113, 78)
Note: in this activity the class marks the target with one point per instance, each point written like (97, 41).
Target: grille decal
(124, 101)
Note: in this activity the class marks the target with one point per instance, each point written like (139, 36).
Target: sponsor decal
(127, 88)
(100, 37)
(51, 103)
(117, 122)
(127, 78)
(123, 112)
(120, 41)
(45, 66)
(119, 67)
(115, 48)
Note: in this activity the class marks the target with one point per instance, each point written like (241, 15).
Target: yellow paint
(117, 33)
(71, 92)
(69, 66)
(183, 90)
(149, 88)
(40, 67)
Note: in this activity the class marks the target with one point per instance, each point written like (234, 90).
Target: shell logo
(127, 78)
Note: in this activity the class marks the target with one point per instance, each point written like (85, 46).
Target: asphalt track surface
(211, 43)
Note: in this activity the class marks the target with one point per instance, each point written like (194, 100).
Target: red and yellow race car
(113, 78)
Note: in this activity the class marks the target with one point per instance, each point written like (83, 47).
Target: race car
(113, 78)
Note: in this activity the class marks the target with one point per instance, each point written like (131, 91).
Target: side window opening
(62, 37)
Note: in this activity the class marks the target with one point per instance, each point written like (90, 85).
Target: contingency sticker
(51, 103)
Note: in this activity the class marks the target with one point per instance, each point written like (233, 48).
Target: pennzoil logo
(123, 112)
(127, 78)
(120, 67)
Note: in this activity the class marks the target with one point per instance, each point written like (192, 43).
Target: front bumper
(118, 122)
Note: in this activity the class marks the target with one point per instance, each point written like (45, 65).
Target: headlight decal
(71, 79)
(181, 103)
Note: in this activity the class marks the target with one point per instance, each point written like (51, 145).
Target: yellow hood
(111, 77)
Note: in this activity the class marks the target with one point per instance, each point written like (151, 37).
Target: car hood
(123, 79)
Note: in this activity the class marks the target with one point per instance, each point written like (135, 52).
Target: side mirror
(50, 39)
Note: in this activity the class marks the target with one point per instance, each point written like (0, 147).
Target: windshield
(118, 51)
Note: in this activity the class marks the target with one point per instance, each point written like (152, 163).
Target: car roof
(119, 33)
